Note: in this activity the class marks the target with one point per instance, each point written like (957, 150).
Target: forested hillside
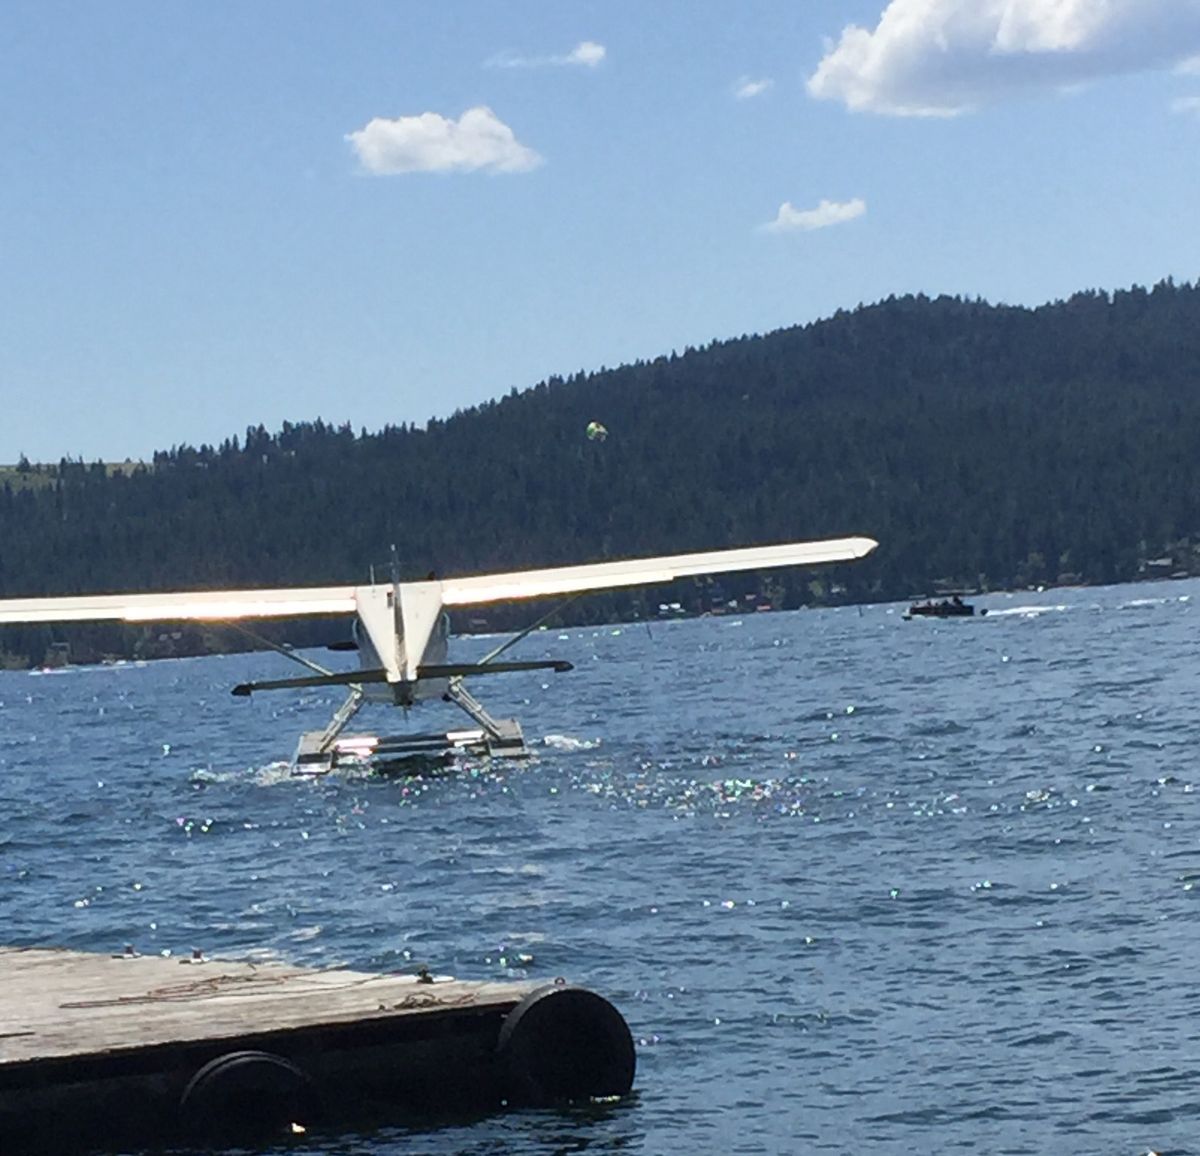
(984, 446)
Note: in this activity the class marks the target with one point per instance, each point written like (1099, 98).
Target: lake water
(859, 885)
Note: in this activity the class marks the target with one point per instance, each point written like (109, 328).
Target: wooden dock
(97, 1051)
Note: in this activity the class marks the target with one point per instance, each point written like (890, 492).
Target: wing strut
(491, 654)
(279, 648)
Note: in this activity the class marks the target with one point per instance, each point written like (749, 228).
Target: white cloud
(747, 88)
(1187, 104)
(585, 54)
(790, 219)
(430, 143)
(942, 57)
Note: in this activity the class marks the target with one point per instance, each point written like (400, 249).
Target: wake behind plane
(401, 631)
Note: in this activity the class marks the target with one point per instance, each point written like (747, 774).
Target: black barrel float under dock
(102, 1051)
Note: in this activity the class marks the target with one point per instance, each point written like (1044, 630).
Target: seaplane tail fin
(486, 588)
(400, 620)
(192, 606)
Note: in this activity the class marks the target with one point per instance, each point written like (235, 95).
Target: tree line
(985, 446)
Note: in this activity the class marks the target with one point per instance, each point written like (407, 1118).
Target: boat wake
(567, 743)
(1031, 611)
(264, 776)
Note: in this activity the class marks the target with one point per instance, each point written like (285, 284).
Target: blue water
(858, 884)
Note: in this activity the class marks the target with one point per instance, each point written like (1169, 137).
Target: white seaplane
(401, 630)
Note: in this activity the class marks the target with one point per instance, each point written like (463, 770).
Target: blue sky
(219, 215)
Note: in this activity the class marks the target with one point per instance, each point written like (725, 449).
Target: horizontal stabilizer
(463, 669)
(357, 677)
(346, 678)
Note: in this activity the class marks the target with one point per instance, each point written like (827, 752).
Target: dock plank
(59, 1004)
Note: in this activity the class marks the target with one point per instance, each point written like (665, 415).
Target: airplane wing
(201, 606)
(227, 605)
(646, 571)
